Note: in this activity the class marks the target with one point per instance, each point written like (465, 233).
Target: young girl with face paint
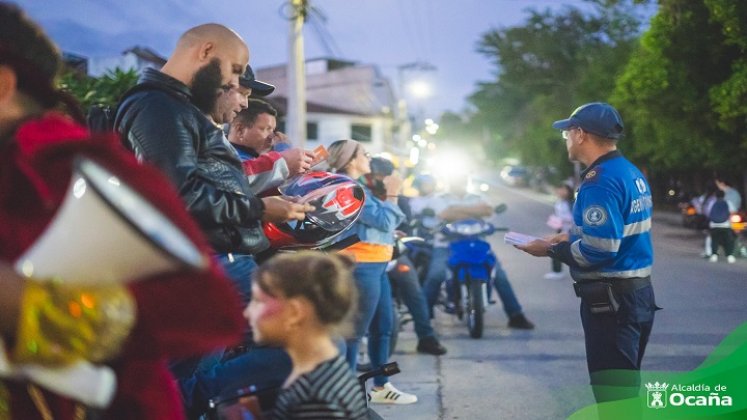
(299, 301)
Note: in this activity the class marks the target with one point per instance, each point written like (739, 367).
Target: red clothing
(178, 315)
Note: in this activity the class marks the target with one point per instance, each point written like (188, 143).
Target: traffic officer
(609, 251)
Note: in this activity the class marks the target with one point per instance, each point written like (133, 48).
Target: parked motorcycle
(471, 262)
(739, 226)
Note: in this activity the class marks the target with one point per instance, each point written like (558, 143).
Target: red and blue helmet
(337, 199)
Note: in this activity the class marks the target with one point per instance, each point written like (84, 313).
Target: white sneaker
(554, 276)
(713, 258)
(390, 395)
(730, 259)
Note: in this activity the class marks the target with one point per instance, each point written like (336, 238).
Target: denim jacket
(377, 221)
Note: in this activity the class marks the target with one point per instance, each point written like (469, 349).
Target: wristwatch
(551, 251)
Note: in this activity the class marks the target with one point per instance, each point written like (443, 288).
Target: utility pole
(296, 118)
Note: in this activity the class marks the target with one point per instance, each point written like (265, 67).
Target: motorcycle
(739, 226)
(471, 262)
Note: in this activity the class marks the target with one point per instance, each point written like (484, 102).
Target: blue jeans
(374, 316)
(437, 274)
(408, 288)
(263, 367)
(239, 268)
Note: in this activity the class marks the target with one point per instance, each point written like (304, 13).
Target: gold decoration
(61, 322)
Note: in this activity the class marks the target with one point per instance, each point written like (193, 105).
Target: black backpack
(100, 118)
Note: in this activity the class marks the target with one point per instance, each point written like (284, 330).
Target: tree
(683, 91)
(105, 90)
(547, 67)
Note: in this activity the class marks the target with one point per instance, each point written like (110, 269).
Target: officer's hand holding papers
(532, 244)
(516, 238)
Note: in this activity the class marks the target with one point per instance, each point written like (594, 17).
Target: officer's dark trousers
(615, 344)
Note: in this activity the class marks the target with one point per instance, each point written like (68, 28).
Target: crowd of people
(202, 147)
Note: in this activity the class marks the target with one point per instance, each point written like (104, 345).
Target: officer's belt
(623, 285)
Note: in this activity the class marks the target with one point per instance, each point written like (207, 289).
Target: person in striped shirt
(300, 301)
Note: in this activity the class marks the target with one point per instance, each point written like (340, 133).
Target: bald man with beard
(166, 122)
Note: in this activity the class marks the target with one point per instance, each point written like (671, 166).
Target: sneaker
(554, 275)
(390, 395)
(430, 345)
(730, 259)
(520, 322)
(713, 258)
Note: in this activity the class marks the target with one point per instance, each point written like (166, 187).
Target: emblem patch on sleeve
(595, 216)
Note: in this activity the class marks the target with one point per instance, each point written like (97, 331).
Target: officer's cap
(597, 118)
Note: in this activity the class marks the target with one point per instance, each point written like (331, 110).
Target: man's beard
(206, 84)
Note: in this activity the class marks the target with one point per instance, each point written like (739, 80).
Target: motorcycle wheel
(475, 309)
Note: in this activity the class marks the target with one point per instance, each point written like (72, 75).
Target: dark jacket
(163, 127)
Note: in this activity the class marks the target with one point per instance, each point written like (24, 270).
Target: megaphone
(104, 231)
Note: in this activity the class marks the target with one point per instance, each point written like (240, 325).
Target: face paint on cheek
(270, 307)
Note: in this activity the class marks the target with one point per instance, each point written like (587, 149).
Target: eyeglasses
(567, 133)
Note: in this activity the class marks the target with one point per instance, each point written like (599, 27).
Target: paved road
(541, 374)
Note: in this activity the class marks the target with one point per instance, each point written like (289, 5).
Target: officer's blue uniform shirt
(612, 216)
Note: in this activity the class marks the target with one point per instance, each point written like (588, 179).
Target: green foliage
(729, 98)
(105, 90)
(683, 91)
(546, 67)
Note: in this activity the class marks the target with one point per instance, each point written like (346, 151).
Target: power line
(319, 22)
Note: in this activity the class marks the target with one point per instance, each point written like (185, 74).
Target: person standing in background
(561, 220)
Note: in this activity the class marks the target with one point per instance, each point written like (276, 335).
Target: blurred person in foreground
(609, 251)
(300, 302)
(132, 328)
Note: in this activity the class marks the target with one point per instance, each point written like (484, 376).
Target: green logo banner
(717, 389)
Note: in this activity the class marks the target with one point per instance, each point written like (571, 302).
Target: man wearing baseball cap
(609, 251)
(258, 88)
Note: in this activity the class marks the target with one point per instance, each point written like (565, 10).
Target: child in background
(299, 301)
(561, 220)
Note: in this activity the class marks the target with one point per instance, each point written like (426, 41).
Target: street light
(419, 89)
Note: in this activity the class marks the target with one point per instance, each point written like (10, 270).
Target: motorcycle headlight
(469, 229)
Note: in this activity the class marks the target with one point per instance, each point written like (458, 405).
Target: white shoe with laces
(390, 395)
(713, 258)
(730, 259)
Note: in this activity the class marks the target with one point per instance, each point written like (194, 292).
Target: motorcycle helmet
(337, 199)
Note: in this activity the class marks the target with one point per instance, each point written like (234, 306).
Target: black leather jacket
(161, 126)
